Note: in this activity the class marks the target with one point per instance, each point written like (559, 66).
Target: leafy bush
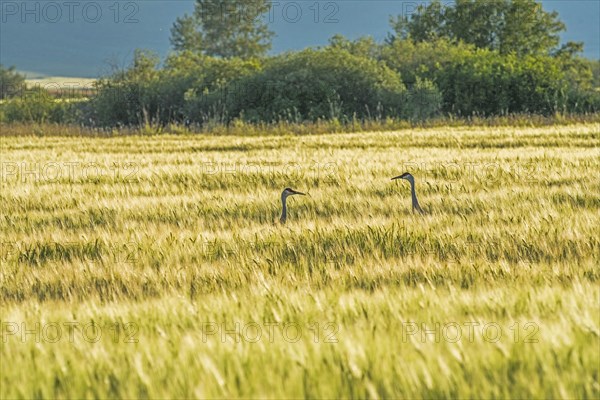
(207, 81)
(424, 59)
(145, 94)
(11, 82)
(485, 82)
(425, 100)
(39, 107)
(488, 83)
(316, 84)
(584, 101)
(342, 83)
(124, 97)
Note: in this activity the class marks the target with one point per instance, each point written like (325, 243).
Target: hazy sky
(81, 38)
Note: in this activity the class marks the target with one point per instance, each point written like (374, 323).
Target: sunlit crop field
(151, 266)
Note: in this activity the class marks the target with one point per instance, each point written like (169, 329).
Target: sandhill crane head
(415, 203)
(290, 192)
(284, 195)
(406, 176)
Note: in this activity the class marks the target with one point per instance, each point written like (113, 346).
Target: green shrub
(208, 80)
(11, 82)
(145, 94)
(39, 107)
(425, 100)
(423, 60)
(344, 82)
(315, 84)
(487, 83)
(584, 101)
(125, 97)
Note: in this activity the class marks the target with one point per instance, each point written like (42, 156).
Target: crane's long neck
(413, 192)
(284, 209)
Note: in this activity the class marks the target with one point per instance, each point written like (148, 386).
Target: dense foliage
(432, 65)
(11, 82)
(522, 27)
(345, 81)
(224, 28)
(38, 106)
(313, 84)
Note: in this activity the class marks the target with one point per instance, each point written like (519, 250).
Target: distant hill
(61, 82)
(32, 75)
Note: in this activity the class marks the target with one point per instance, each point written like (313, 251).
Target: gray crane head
(284, 195)
(415, 203)
(405, 175)
(290, 192)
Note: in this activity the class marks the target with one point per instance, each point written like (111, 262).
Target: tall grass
(165, 244)
(291, 126)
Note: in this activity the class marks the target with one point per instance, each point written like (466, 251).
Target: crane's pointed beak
(397, 177)
(300, 193)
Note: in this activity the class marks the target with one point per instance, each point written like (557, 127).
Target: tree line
(474, 57)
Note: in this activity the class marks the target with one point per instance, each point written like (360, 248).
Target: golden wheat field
(150, 266)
